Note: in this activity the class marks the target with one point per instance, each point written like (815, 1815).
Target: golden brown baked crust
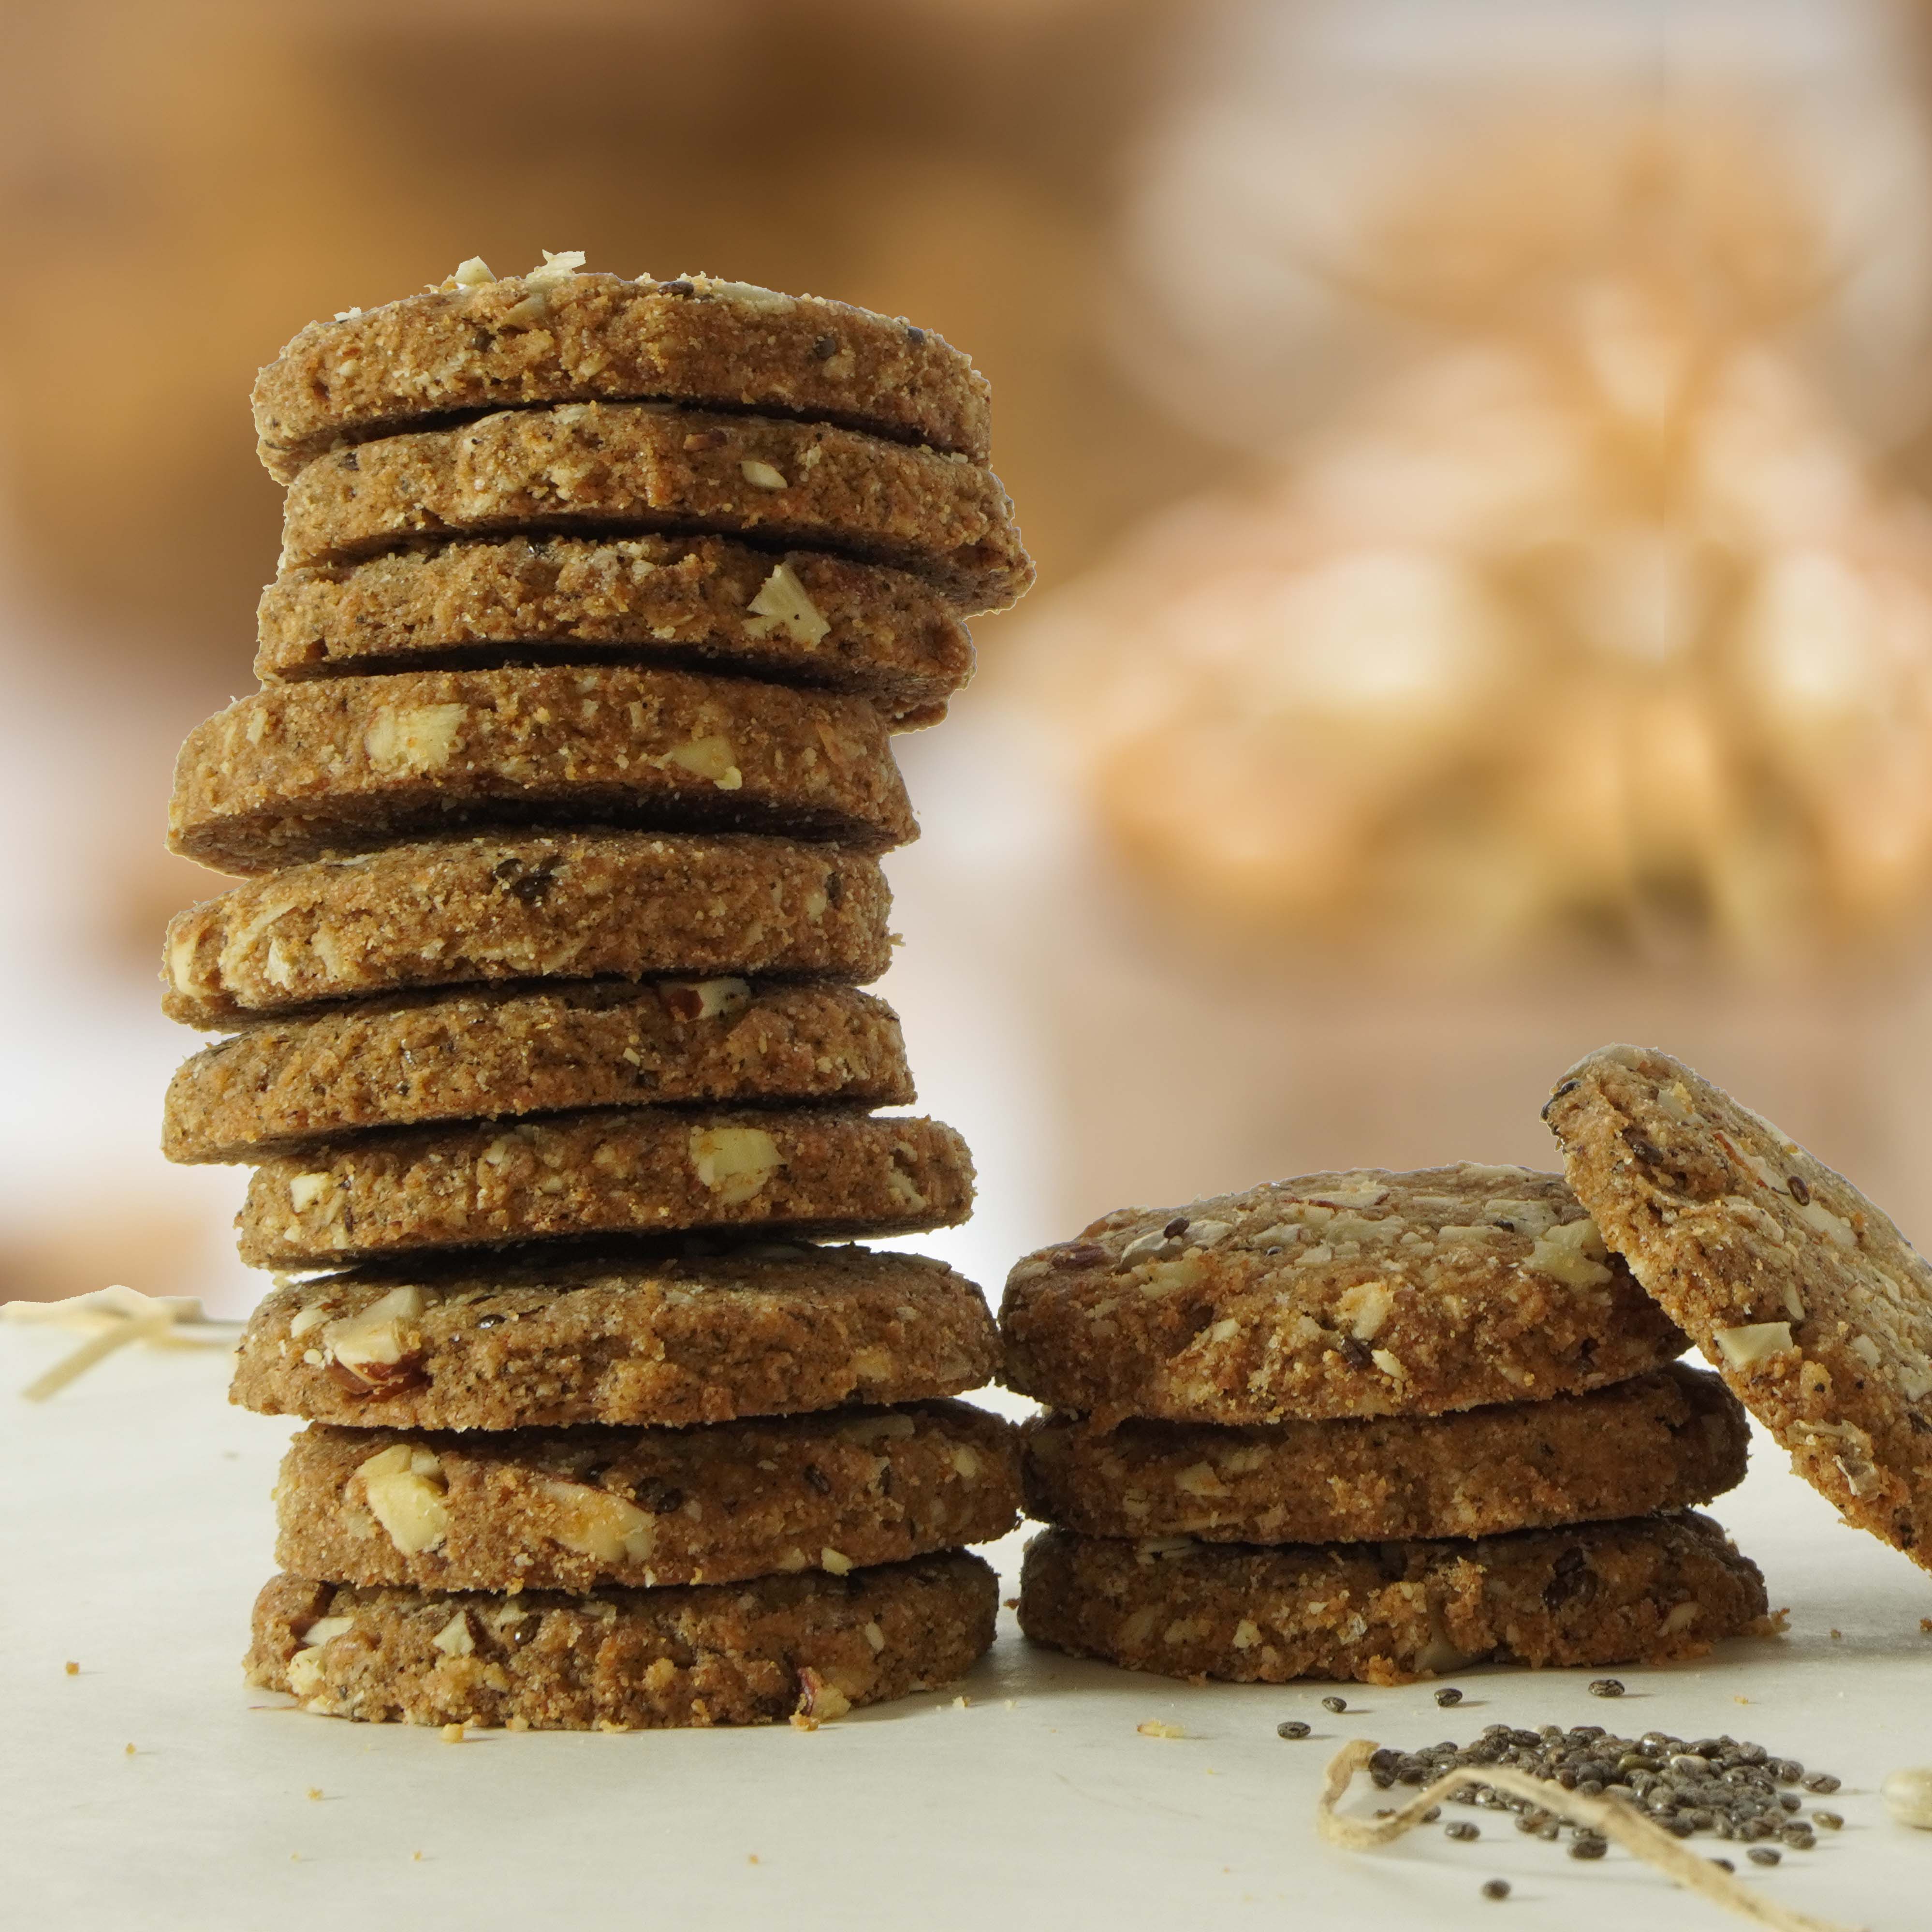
(486, 1054)
(1660, 1442)
(1806, 1298)
(552, 338)
(760, 1328)
(705, 602)
(1361, 1293)
(585, 468)
(562, 905)
(814, 1645)
(580, 1509)
(1651, 1591)
(638, 1171)
(297, 772)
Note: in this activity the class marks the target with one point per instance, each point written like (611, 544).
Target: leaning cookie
(481, 341)
(295, 771)
(1806, 1298)
(811, 1646)
(580, 1509)
(828, 1171)
(1660, 1442)
(805, 617)
(1356, 1293)
(1652, 1590)
(762, 1329)
(588, 468)
(541, 905)
(502, 1052)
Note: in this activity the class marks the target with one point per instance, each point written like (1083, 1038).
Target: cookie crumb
(315, 1791)
(131, 1751)
(1155, 1728)
(454, 1734)
(751, 1858)
(73, 1668)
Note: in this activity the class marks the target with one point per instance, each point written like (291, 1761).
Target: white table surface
(136, 1524)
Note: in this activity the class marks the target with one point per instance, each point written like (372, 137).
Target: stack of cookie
(1368, 1425)
(560, 807)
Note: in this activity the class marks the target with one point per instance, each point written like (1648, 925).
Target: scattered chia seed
(1294, 1728)
(1449, 1695)
(1830, 1820)
(1496, 1887)
(1724, 1864)
(1336, 1704)
(1763, 1855)
(1606, 1686)
(1820, 1781)
(1588, 1848)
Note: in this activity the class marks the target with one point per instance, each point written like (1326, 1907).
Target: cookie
(298, 771)
(489, 1053)
(555, 337)
(590, 467)
(1651, 1591)
(814, 1646)
(704, 602)
(1357, 1294)
(1805, 1298)
(1659, 1441)
(577, 1509)
(769, 1328)
(828, 1171)
(562, 905)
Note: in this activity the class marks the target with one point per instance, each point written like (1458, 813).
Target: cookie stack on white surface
(558, 814)
(1367, 1425)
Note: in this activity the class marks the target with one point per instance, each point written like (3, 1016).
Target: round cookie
(1651, 1591)
(588, 467)
(767, 1328)
(829, 1171)
(1356, 1293)
(484, 1054)
(484, 342)
(808, 1647)
(1805, 1298)
(1659, 1441)
(579, 1509)
(705, 602)
(298, 771)
(561, 905)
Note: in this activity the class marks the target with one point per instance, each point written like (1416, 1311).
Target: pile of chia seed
(1724, 1786)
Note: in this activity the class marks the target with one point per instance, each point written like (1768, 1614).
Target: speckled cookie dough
(763, 1328)
(553, 336)
(481, 1054)
(811, 1647)
(297, 772)
(1356, 1294)
(584, 468)
(1806, 1298)
(1660, 1442)
(579, 1509)
(1653, 1591)
(704, 601)
(565, 906)
(821, 1171)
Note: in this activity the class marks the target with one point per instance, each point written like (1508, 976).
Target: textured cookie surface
(571, 906)
(806, 616)
(1659, 1441)
(645, 465)
(480, 1054)
(813, 1645)
(1806, 1298)
(574, 1509)
(1356, 1294)
(1648, 1592)
(765, 1330)
(829, 1171)
(552, 338)
(298, 771)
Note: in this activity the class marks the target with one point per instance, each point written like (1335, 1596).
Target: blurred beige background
(1476, 455)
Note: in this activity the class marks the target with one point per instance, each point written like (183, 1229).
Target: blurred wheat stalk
(1589, 614)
